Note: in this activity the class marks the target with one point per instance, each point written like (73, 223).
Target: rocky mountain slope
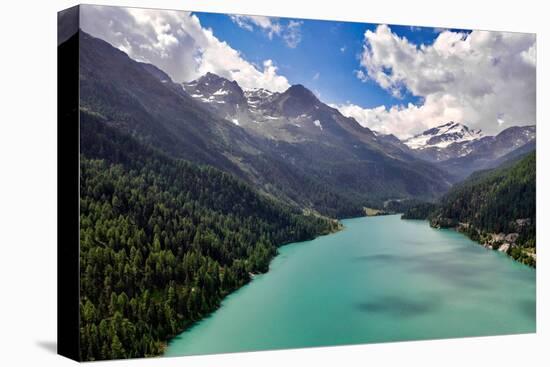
(289, 145)
(442, 136)
(461, 150)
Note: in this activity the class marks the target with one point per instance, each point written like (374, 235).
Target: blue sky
(328, 49)
(483, 79)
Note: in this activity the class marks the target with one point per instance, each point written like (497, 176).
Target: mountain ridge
(317, 159)
(443, 135)
(460, 150)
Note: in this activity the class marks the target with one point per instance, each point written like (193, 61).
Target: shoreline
(235, 307)
(500, 242)
(340, 227)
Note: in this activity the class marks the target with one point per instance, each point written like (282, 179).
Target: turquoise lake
(380, 279)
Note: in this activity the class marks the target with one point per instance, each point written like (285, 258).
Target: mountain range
(442, 136)
(297, 116)
(162, 240)
(187, 189)
(289, 145)
(495, 207)
(460, 150)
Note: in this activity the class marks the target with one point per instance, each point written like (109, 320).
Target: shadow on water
(454, 273)
(418, 242)
(473, 248)
(379, 257)
(444, 266)
(528, 308)
(399, 306)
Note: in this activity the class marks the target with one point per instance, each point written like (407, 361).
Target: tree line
(501, 200)
(162, 241)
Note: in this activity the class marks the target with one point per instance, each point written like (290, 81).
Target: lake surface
(380, 279)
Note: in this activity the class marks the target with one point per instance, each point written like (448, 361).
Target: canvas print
(251, 183)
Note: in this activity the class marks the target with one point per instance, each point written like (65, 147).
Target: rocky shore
(502, 242)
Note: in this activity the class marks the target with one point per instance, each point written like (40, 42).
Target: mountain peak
(210, 77)
(443, 135)
(297, 100)
(218, 92)
(300, 91)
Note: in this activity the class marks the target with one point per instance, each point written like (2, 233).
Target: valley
(190, 189)
(495, 207)
(402, 281)
(461, 151)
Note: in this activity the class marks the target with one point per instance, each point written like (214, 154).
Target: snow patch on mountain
(257, 93)
(318, 124)
(444, 135)
(221, 92)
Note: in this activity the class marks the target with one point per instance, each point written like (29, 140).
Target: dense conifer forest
(180, 205)
(494, 200)
(502, 200)
(163, 241)
(419, 211)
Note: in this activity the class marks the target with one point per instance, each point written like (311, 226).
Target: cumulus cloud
(405, 120)
(483, 79)
(176, 42)
(290, 32)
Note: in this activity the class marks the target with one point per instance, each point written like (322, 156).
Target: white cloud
(316, 76)
(176, 42)
(290, 32)
(361, 75)
(270, 25)
(530, 55)
(343, 49)
(484, 79)
(293, 33)
(404, 121)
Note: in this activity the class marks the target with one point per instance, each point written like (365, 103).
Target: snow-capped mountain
(308, 135)
(297, 116)
(257, 108)
(257, 98)
(229, 101)
(461, 150)
(211, 88)
(294, 115)
(489, 151)
(222, 95)
(444, 135)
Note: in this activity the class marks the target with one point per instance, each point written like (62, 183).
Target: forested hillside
(334, 171)
(493, 201)
(494, 207)
(163, 241)
(419, 211)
